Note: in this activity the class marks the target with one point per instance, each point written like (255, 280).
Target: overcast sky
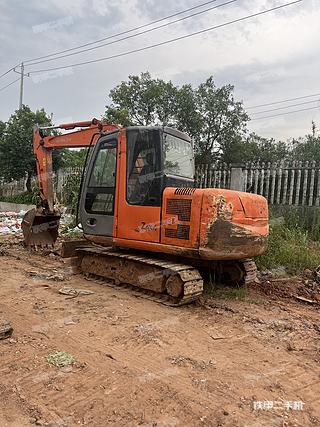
(268, 58)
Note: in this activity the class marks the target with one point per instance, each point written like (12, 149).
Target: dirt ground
(219, 362)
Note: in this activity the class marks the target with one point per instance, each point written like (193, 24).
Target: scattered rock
(183, 361)
(44, 276)
(5, 329)
(74, 292)
(290, 347)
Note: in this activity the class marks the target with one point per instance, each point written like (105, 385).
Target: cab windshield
(178, 156)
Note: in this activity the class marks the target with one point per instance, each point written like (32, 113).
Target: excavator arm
(40, 225)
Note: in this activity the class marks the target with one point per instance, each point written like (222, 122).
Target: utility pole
(21, 85)
(22, 75)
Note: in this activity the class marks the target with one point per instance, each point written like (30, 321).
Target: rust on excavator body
(234, 225)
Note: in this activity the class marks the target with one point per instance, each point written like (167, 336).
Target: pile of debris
(10, 222)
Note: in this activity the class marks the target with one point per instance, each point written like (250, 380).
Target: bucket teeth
(37, 247)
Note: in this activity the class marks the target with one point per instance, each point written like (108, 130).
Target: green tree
(306, 148)
(253, 148)
(223, 121)
(118, 115)
(2, 129)
(74, 158)
(210, 115)
(187, 116)
(17, 159)
(141, 101)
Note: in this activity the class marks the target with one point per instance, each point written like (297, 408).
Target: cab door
(99, 187)
(140, 185)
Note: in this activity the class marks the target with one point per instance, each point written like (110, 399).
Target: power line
(8, 71)
(170, 40)
(284, 100)
(288, 106)
(123, 32)
(284, 114)
(5, 87)
(135, 35)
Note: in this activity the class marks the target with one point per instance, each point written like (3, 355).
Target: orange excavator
(149, 228)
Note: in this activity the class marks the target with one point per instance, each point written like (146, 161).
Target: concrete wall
(237, 179)
(14, 207)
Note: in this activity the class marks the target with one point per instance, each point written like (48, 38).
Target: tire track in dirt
(161, 373)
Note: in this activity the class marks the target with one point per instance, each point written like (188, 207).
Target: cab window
(101, 189)
(143, 167)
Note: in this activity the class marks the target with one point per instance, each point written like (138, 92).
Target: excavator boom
(40, 225)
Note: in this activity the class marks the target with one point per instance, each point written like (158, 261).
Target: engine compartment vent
(184, 191)
(181, 232)
(179, 207)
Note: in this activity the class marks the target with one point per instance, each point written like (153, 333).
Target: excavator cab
(128, 172)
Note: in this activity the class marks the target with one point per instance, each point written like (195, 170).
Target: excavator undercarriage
(167, 282)
(158, 278)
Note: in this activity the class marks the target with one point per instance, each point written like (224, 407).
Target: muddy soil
(220, 362)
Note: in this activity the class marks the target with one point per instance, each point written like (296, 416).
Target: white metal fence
(282, 183)
(60, 180)
(8, 189)
(213, 176)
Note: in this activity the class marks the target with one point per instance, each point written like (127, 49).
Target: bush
(299, 217)
(290, 247)
(71, 190)
(23, 198)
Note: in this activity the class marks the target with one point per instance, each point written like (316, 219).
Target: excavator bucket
(40, 229)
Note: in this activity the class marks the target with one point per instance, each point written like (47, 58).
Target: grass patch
(291, 248)
(229, 293)
(60, 359)
(303, 217)
(25, 198)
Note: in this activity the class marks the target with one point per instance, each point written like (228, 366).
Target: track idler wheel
(174, 286)
(232, 273)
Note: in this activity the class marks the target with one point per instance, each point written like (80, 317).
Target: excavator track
(166, 282)
(233, 273)
(251, 271)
